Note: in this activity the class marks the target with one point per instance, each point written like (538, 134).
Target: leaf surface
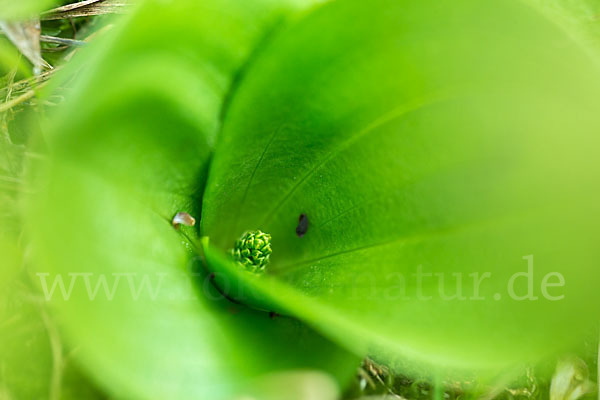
(428, 143)
(130, 149)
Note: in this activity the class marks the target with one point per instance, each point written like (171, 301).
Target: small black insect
(273, 314)
(302, 225)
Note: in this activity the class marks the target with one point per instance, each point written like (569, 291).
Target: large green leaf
(419, 137)
(129, 149)
(579, 19)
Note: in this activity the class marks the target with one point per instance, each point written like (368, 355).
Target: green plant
(420, 138)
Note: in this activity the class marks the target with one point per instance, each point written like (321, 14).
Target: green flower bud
(252, 251)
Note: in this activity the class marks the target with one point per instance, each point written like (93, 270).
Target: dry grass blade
(63, 41)
(74, 6)
(25, 84)
(20, 99)
(87, 8)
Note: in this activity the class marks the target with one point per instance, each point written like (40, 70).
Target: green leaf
(419, 138)
(23, 9)
(129, 149)
(579, 19)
